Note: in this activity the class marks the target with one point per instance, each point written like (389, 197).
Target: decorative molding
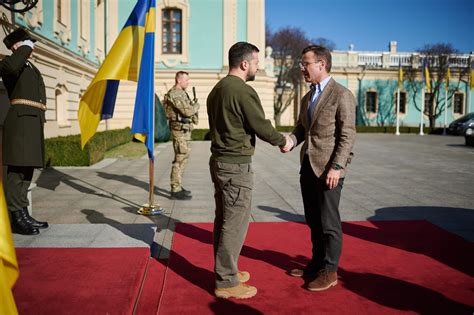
(34, 17)
(83, 40)
(171, 60)
(62, 30)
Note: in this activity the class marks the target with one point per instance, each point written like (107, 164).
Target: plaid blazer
(330, 136)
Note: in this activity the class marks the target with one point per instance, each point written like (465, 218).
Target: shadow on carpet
(387, 267)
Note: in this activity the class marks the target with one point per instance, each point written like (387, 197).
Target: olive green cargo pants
(233, 185)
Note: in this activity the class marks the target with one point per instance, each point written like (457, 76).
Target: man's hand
(332, 179)
(288, 145)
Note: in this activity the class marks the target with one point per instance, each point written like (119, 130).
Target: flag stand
(151, 208)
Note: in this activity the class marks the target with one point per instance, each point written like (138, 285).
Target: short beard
(250, 77)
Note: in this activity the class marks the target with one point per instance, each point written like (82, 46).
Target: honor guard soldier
(23, 135)
(182, 113)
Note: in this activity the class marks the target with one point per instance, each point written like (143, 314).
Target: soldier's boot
(180, 195)
(33, 222)
(20, 225)
(187, 192)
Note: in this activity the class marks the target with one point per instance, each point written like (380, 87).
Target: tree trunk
(277, 119)
(432, 121)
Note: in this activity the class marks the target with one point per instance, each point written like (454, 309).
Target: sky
(371, 24)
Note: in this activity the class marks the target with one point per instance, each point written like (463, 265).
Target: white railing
(369, 59)
(404, 60)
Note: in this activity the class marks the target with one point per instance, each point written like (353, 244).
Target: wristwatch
(337, 167)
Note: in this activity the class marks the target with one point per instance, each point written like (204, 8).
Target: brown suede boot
(323, 281)
(240, 291)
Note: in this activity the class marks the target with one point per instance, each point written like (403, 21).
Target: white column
(445, 111)
(256, 25)
(397, 129)
(230, 28)
(422, 109)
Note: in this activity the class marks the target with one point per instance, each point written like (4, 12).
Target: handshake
(289, 144)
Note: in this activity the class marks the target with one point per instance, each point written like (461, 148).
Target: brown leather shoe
(243, 276)
(240, 291)
(299, 273)
(323, 281)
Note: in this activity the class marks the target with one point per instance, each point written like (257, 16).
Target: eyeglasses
(304, 65)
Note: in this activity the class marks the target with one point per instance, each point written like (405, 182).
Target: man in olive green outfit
(235, 117)
(23, 137)
(182, 113)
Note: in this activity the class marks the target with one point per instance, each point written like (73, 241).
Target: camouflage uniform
(182, 113)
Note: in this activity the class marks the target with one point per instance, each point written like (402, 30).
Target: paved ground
(391, 178)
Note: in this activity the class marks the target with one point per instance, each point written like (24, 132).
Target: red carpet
(80, 280)
(387, 267)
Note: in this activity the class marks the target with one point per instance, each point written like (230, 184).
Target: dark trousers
(18, 182)
(321, 209)
(233, 185)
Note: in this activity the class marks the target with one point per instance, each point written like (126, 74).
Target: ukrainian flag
(8, 263)
(426, 76)
(400, 75)
(131, 58)
(448, 76)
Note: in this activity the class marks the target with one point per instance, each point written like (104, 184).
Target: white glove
(28, 43)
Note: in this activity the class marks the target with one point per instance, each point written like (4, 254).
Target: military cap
(18, 35)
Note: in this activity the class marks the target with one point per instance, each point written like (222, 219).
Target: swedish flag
(131, 58)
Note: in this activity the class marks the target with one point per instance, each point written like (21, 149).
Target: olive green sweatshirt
(235, 117)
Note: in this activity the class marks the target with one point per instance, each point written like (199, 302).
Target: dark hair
(180, 74)
(321, 53)
(239, 52)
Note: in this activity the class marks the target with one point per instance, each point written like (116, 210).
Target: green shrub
(200, 134)
(285, 128)
(391, 129)
(66, 151)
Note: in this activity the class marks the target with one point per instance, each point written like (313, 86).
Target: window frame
(463, 105)
(372, 92)
(404, 98)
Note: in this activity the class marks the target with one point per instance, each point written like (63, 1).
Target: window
(371, 102)
(62, 18)
(61, 96)
(428, 103)
(171, 37)
(458, 103)
(403, 103)
(59, 11)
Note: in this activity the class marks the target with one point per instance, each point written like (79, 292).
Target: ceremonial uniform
(23, 134)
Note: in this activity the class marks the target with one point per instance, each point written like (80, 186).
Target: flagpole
(397, 129)
(445, 111)
(422, 110)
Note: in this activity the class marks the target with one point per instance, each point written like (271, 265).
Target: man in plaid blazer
(326, 126)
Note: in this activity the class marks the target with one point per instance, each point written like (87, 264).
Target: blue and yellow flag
(426, 76)
(8, 263)
(448, 76)
(131, 58)
(400, 75)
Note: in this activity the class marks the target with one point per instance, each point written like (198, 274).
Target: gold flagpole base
(150, 210)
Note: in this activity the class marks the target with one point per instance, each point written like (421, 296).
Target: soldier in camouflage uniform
(182, 113)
